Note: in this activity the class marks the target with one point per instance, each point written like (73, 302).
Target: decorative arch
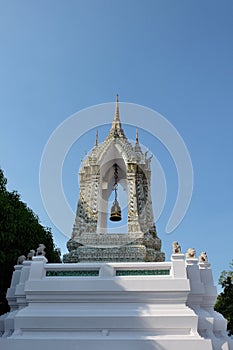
(90, 240)
(112, 155)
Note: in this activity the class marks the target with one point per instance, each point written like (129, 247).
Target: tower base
(134, 247)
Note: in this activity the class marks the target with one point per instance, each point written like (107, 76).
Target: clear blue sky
(176, 57)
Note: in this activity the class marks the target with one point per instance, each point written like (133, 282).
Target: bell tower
(113, 162)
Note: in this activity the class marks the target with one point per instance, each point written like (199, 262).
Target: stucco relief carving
(191, 253)
(41, 250)
(21, 259)
(31, 254)
(203, 257)
(176, 249)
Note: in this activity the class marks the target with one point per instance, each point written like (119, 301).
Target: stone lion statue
(21, 259)
(31, 254)
(191, 253)
(176, 248)
(203, 257)
(41, 250)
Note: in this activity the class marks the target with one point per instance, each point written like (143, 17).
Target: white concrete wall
(173, 311)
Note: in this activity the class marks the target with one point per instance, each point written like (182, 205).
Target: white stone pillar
(32, 270)
(11, 299)
(178, 269)
(19, 290)
(195, 299)
(37, 270)
(221, 341)
(7, 322)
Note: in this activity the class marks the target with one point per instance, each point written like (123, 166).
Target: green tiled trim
(142, 272)
(79, 273)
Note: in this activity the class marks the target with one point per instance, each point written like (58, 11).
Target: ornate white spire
(116, 124)
(116, 121)
(117, 117)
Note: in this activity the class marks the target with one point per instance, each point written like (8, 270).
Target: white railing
(110, 269)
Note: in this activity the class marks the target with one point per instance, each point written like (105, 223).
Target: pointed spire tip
(137, 136)
(96, 138)
(117, 117)
(116, 124)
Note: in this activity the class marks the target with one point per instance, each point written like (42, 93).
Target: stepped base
(116, 254)
(127, 306)
(134, 247)
(106, 344)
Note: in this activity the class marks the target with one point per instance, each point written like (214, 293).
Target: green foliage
(20, 231)
(224, 303)
(225, 274)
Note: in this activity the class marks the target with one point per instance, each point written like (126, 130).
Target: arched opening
(106, 194)
(122, 196)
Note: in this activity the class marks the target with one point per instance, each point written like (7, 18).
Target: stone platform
(106, 254)
(133, 247)
(102, 306)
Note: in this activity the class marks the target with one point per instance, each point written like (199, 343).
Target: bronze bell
(115, 211)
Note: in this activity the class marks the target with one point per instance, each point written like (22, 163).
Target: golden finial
(96, 138)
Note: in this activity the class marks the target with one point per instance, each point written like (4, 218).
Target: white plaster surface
(112, 311)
